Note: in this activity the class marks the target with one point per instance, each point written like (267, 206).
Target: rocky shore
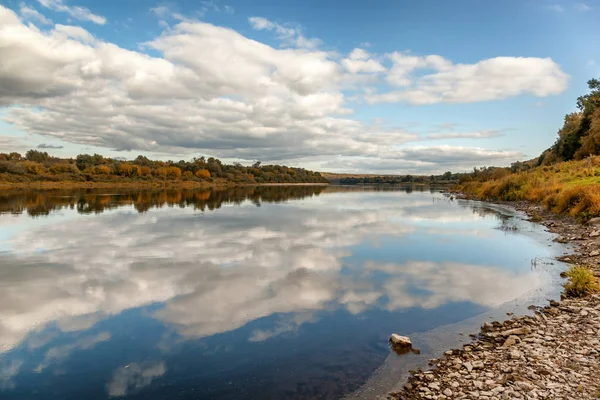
(553, 354)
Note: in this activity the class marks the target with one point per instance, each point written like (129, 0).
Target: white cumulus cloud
(211, 90)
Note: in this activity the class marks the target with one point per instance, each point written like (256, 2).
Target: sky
(377, 87)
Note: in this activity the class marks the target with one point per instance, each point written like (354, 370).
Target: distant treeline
(37, 166)
(447, 177)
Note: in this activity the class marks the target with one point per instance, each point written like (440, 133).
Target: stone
(514, 354)
(402, 342)
(594, 221)
(511, 341)
(478, 365)
(525, 330)
(595, 234)
(447, 392)
(594, 253)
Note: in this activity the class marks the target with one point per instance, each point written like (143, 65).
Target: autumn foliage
(565, 178)
(40, 166)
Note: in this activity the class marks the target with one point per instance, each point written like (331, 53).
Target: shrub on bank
(581, 281)
(570, 187)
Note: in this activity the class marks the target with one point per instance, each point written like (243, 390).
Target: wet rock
(400, 342)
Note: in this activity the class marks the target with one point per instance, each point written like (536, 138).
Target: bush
(11, 168)
(64, 168)
(203, 174)
(173, 172)
(581, 281)
(32, 167)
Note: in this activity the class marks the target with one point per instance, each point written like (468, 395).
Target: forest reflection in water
(202, 294)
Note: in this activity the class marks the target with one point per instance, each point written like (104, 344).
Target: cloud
(210, 90)
(556, 8)
(31, 14)
(9, 144)
(360, 60)
(80, 13)
(485, 134)
(57, 354)
(426, 160)
(582, 7)
(290, 35)
(49, 146)
(492, 79)
(289, 323)
(212, 6)
(8, 370)
(165, 12)
(133, 377)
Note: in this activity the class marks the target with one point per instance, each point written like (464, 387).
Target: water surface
(257, 293)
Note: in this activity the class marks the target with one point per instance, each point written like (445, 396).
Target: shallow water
(257, 293)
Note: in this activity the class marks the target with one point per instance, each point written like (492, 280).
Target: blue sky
(381, 86)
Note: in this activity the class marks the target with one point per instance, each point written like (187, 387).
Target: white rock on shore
(399, 341)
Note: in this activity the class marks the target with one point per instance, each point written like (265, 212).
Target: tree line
(36, 165)
(446, 177)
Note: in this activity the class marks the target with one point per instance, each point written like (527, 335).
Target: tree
(569, 135)
(32, 167)
(203, 174)
(173, 172)
(63, 168)
(101, 170)
(14, 156)
(37, 156)
(160, 172)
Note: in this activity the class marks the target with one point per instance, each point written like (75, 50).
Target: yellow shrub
(581, 281)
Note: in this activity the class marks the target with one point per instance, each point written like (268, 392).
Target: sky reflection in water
(263, 293)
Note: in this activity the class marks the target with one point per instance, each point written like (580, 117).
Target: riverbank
(219, 184)
(554, 354)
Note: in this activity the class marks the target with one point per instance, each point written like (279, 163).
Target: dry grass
(570, 187)
(581, 281)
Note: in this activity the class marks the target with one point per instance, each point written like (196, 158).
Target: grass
(581, 281)
(571, 187)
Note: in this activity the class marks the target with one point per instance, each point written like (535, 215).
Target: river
(256, 293)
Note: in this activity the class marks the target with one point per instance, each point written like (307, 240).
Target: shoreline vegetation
(565, 178)
(36, 169)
